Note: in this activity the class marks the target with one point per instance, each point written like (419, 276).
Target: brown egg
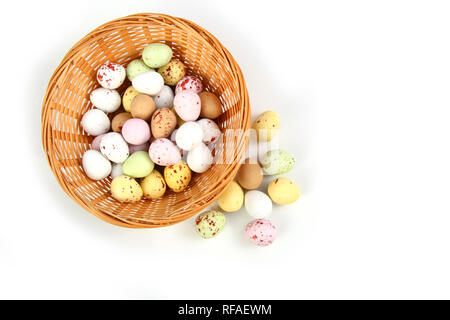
(250, 174)
(142, 107)
(118, 121)
(163, 123)
(210, 105)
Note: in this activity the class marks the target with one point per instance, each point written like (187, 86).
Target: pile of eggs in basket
(143, 137)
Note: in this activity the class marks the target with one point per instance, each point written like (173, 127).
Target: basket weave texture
(67, 99)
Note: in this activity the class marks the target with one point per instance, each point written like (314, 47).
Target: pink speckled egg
(95, 144)
(140, 147)
(187, 104)
(111, 75)
(261, 232)
(189, 83)
(164, 152)
(136, 131)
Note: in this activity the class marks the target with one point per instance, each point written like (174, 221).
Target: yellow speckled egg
(177, 176)
(126, 189)
(232, 198)
(283, 191)
(172, 72)
(267, 125)
(153, 185)
(128, 96)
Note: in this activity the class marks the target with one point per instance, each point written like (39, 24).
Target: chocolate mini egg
(211, 131)
(153, 185)
(142, 107)
(95, 122)
(164, 98)
(126, 189)
(267, 125)
(187, 105)
(150, 82)
(258, 204)
(107, 100)
(95, 144)
(277, 162)
(163, 123)
(210, 105)
(139, 147)
(111, 75)
(116, 170)
(118, 121)
(95, 165)
(128, 97)
(164, 152)
(172, 72)
(114, 147)
(177, 176)
(156, 55)
(200, 158)
(136, 67)
(189, 135)
(231, 198)
(210, 223)
(250, 175)
(136, 131)
(138, 165)
(189, 83)
(283, 191)
(261, 232)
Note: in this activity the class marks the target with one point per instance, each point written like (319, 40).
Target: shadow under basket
(67, 99)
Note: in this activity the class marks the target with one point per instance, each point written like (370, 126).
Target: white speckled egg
(95, 165)
(150, 82)
(114, 147)
(211, 131)
(189, 135)
(189, 83)
(116, 170)
(111, 75)
(187, 104)
(200, 158)
(164, 152)
(107, 100)
(95, 122)
(258, 204)
(164, 98)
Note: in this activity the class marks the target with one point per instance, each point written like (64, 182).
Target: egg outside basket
(67, 99)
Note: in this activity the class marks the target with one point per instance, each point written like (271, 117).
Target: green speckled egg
(277, 162)
(156, 55)
(138, 165)
(136, 67)
(210, 223)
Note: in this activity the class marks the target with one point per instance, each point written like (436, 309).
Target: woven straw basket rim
(67, 98)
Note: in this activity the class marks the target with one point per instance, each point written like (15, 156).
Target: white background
(362, 89)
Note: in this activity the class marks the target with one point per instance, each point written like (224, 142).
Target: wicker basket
(67, 99)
